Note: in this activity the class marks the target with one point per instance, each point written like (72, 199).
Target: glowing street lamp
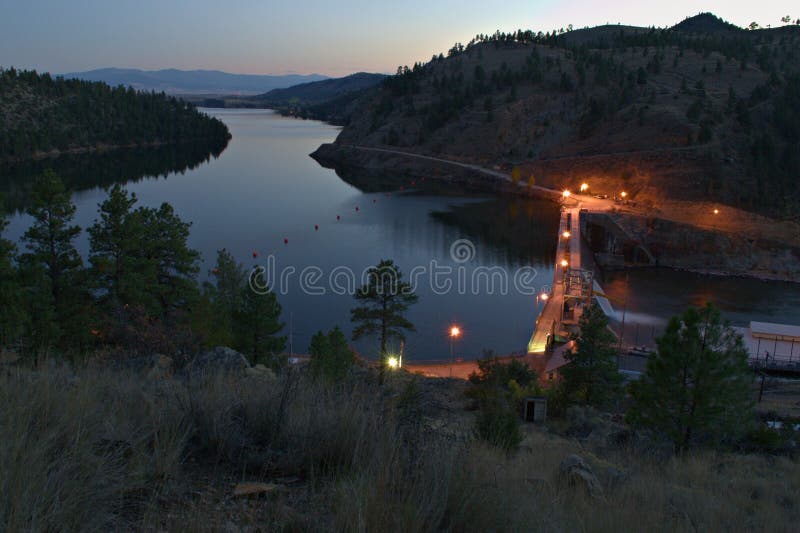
(455, 332)
(716, 211)
(566, 235)
(623, 194)
(584, 187)
(566, 194)
(542, 298)
(393, 362)
(564, 263)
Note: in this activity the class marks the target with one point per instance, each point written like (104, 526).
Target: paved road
(587, 202)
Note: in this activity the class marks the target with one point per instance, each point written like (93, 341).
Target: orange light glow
(564, 263)
(716, 211)
(566, 235)
(455, 331)
(623, 194)
(566, 194)
(544, 296)
(584, 187)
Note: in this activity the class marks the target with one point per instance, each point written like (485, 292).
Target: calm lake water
(264, 188)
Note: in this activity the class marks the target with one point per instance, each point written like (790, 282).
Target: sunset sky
(305, 36)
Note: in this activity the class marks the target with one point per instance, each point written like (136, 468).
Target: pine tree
(52, 255)
(225, 295)
(592, 376)
(257, 325)
(331, 357)
(12, 314)
(698, 386)
(169, 265)
(116, 241)
(385, 298)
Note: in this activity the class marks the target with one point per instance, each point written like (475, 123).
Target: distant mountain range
(176, 81)
(320, 91)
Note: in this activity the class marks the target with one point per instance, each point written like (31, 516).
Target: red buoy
(316, 227)
(215, 271)
(356, 209)
(374, 200)
(285, 241)
(338, 217)
(255, 254)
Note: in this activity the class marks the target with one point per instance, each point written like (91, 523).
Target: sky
(331, 37)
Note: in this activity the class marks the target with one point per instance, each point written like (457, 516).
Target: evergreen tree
(698, 386)
(385, 298)
(225, 296)
(257, 325)
(169, 265)
(116, 242)
(12, 315)
(592, 376)
(52, 254)
(331, 357)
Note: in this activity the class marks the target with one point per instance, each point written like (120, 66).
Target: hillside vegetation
(700, 111)
(42, 115)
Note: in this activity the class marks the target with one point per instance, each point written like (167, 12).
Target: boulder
(218, 360)
(575, 472)
(162, 367)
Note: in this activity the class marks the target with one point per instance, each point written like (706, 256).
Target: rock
(162, 367)
(218, 360)
(255, 489)
(575, 472)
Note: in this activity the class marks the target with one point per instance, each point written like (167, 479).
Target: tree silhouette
(385, 297)
(697, 387)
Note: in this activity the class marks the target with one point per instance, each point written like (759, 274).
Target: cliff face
(682, 115)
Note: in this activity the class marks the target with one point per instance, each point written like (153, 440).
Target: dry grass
(107, 450)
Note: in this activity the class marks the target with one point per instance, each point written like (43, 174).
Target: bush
(331, 357)
(498, 423)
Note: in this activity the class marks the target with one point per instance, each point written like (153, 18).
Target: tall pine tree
(591, 375)
(384, 299)
(698, 386)
(52, 256)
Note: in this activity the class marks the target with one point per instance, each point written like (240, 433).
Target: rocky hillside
(701, 111)
(42, 115)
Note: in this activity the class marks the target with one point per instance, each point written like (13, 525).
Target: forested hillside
(40, 114)
(700, 111)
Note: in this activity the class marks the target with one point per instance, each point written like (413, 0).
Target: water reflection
(88, 171)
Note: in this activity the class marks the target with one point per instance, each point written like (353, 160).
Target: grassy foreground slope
(701, 111)
(101, 449)
(42, 115)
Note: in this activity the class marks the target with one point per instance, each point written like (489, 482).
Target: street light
(716, 211)
(623, 194)
(566, 235)
(455, 332)
(564, 263)
(566, 194)
(393, 362)
(584, 187)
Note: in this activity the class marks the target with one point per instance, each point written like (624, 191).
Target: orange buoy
(215, 271)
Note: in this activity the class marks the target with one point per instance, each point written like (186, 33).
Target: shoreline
(731, 247)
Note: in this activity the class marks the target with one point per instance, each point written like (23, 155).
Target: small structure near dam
(772, 347)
